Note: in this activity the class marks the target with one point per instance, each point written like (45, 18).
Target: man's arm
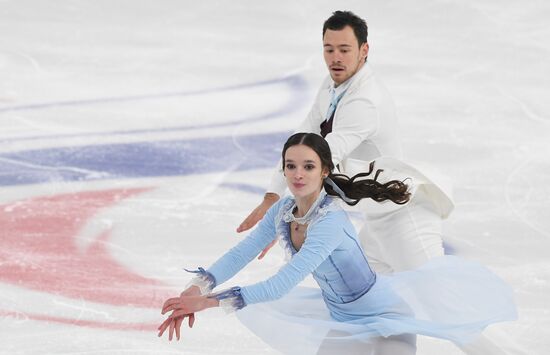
(277, 185)
(357, 121)
(258, 213)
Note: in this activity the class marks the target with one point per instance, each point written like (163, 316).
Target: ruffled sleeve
(204, 280)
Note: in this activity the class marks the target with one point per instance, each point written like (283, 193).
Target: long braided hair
(354, 189)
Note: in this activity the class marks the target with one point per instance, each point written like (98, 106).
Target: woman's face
(303, 171)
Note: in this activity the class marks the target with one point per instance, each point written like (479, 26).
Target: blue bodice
(345, 274)
(330, 252)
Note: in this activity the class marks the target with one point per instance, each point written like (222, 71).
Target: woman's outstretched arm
(223, 269)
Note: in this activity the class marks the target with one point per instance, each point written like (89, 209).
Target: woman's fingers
(178, 303)
(170, 302)
(173, 324)
(178, 326)
(187, 305)
(178, 313)
(182, 308)
(171, 331)
(164, 326)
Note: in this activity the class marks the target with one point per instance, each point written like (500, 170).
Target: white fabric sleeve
(310, 124)
(358, 120)
(277, 183)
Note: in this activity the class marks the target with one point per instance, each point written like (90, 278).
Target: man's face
(342, 53)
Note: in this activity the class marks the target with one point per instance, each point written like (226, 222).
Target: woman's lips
(298, 185)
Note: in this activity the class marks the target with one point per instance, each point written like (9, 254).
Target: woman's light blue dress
(448, 297)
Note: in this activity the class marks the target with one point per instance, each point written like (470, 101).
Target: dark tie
(326, 126)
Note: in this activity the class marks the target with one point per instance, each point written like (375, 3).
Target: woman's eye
(290, 166)
(310, 167)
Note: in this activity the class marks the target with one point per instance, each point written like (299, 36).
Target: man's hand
(262, 254)
(258, 213)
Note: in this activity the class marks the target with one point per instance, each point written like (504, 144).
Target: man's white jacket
(365, 128)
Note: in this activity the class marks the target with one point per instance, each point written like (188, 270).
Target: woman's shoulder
(331, 222)
(329, 210)
(280, 207)
(284, 203)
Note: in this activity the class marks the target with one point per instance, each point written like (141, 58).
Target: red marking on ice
(82, 322)
(38, 251)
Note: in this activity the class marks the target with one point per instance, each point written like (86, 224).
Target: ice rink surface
(136, 135)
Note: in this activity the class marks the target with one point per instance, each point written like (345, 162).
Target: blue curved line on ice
(252, 189)
(298, 96)
(142, 159)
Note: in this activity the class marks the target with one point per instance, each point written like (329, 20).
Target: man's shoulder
(367, 86)
(365, 76)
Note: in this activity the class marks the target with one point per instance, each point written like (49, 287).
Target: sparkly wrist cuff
(204, 280)
(230, 300)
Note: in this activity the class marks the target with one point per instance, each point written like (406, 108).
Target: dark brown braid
(356, 188)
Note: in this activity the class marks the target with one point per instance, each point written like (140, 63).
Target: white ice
(471, 84)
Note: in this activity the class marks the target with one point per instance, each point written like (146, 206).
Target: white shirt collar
(340, 88)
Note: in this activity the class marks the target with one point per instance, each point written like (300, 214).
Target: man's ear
(364, 50)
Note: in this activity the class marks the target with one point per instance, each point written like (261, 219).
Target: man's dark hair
(341, 19)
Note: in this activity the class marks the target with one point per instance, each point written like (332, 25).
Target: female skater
(354, 309)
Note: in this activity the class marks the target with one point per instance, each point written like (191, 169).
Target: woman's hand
(174, 324)
(185, 305)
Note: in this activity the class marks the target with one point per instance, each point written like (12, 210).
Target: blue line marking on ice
(107, 100)
(449, 249)
(253, 189)
(143, 159)
(298, 96)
